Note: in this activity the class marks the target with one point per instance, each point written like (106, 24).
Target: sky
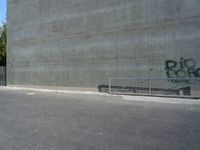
(2, 11)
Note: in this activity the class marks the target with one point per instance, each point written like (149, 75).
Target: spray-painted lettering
(184, 68)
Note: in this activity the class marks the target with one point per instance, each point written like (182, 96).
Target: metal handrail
(152, 85)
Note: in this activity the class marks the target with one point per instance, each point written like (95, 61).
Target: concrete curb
(56, 90)
(123, 97)
(161, 100)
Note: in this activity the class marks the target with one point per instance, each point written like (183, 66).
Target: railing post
(150, 86)
(109, 86)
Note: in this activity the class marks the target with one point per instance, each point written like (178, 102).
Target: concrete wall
(81, 43)
(2, 75)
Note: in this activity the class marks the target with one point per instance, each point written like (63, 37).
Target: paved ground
(33, 120)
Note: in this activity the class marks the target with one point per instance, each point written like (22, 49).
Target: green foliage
(3, 29)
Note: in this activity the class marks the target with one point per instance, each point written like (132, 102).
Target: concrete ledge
(56, 88)
(158, 95)
(94, 91)
(138, 98)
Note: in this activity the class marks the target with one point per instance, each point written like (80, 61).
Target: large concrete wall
(81, 43)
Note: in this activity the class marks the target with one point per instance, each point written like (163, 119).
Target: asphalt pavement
(42, 120)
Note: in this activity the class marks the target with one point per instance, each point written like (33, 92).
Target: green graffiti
(185, 68)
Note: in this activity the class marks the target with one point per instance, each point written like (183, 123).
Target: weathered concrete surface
(31, 120)
(2, 75)
(81, 43)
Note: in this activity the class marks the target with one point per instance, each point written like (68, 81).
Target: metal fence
(185, 87)
(2, 75)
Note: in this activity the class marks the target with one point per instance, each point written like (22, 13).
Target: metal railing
(185, 87)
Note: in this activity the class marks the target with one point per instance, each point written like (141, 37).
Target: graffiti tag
(184, 68)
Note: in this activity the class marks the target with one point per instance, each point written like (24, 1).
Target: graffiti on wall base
(184, 68)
